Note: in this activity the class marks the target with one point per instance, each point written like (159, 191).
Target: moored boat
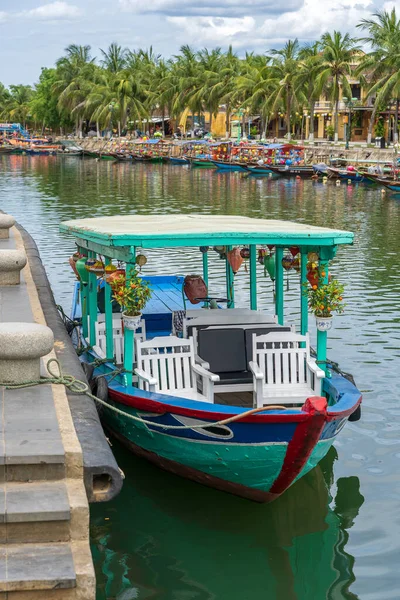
(292, 171)
(345, 174)
(391, 184)
(259, 169)
(173, 399)
(177, 160)
(229, 165)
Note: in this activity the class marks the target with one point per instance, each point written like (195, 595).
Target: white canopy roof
(192, 229)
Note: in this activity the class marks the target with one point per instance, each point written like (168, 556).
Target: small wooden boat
(201, 162)
(292, 171)
(177, 160)
(391, 184)
(229, 165)
(123, 157)
(174, 400)
(344, 174)
(69, 153)
(259, 169)
(6, 149)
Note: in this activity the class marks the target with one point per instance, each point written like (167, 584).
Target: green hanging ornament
(82, 271)
(270, 266)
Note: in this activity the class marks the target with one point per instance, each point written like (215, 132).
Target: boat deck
(244, 399)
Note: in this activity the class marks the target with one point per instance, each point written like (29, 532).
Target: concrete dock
(54, 457)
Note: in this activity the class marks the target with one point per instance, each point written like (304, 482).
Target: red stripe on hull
(149, 405)
(302, 444)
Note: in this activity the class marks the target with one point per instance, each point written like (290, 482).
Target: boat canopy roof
(174, 230)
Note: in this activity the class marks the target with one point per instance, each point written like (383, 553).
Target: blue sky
(34, 33)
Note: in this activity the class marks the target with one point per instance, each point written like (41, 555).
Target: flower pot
(131, 322)
(324, 323)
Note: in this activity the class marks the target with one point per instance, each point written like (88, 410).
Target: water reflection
(254, 545)
(167, 538)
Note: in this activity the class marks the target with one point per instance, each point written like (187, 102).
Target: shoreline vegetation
(129, 91)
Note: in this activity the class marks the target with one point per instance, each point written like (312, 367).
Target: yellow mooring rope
(77, 386)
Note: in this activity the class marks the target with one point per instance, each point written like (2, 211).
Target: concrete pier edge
(102, 477)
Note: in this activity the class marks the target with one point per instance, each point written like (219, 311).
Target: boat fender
(356, 415)
(88, 370)
(100, 390)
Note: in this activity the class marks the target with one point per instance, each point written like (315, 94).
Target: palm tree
(75, 74)
(383, 63)
(114, 58)
(309, 67)
(338, 57)
(256, 84)
(284, 70)
(17, 105)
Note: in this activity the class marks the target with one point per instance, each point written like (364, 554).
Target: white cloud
(53, 12)
(3, 16)
(207, 8)
(213, 29)
(311, 21)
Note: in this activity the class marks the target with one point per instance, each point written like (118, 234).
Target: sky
(34, 33)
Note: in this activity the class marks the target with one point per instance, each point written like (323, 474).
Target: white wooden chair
(283, 371)
(118, 337)
(167, 365)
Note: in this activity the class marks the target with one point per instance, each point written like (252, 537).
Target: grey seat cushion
(223, 349)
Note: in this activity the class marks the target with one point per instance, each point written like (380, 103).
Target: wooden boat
(292, 171)
(259, 169)
(69, 153)
(177, 160)
(201, 162)
(391, 184)
(334, 173)
(177, 395)
(229, 165)
(6, 149)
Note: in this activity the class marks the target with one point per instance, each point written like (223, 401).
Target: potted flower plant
(132, 294)
(324, 300)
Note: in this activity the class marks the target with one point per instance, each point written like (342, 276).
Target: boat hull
(228, 166)
(201, 163)
(259, 170)
(178, 161)
(293, 171)
(256, 457)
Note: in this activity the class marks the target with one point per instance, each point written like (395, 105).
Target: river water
(336, 533)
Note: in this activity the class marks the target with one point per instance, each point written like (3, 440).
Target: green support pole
(83, 288)
(230, 288)
(84, 304)
(92, 304)
(303, 294)
(253, 277)
(322, 336)
(205, 268)
(279, 286)
(109, 317)
(129, 339)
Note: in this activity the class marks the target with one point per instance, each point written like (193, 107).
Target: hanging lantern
(80, 266)
(220, 249)
(313, 257)
(296, 264)
(76, 256)
(262, 253)
(287, 262)
(108, 270)
(313, 277)
(269, 266)
(141, 260)
(245, 253)
(94, 266)
(204, 249)
(294, 251)
(115, 275)
(270, 247)
(235, 259)
(73, 267)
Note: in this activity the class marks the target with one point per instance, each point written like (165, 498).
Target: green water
(336, 533)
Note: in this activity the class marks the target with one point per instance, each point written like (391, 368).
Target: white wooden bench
(118, 337)
(283, 371)
(167, 365)
(225, 317)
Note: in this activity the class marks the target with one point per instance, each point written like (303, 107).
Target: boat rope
(77, 386)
